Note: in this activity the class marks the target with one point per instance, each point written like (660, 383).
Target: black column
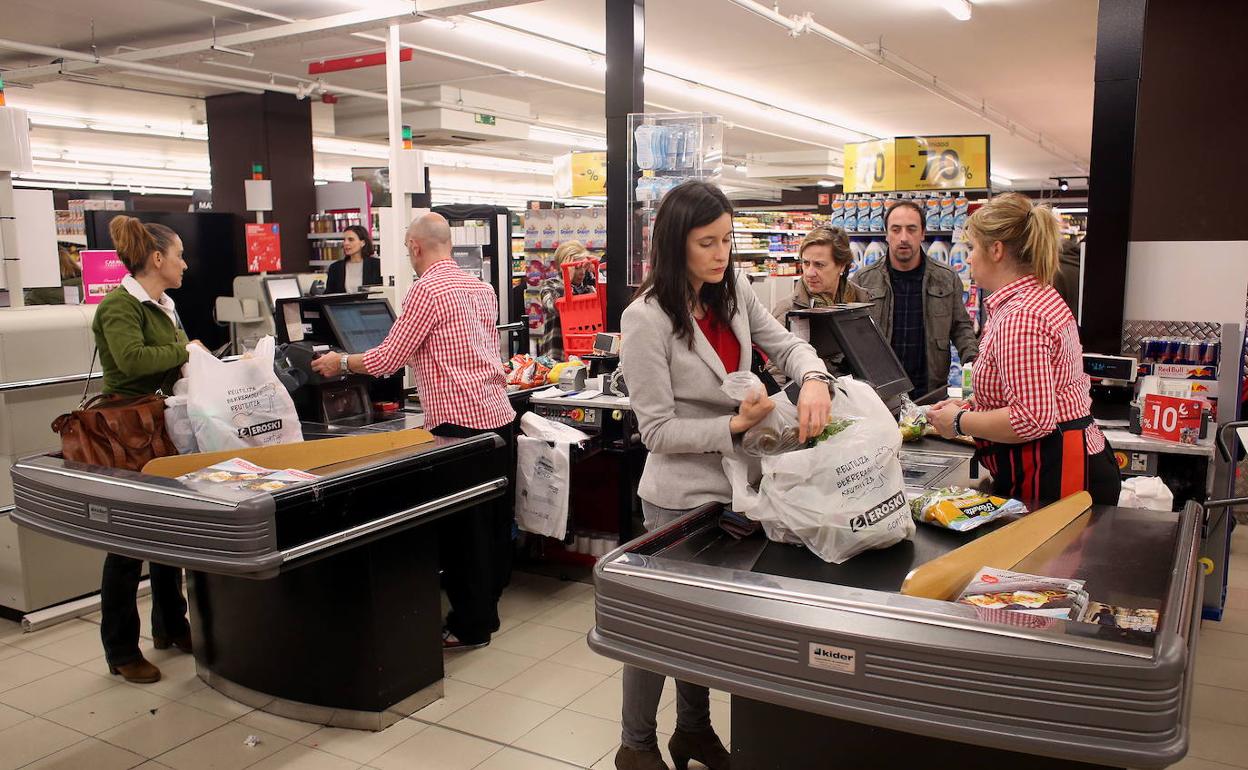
(626, 47)
(276, 131)
(1119, 50)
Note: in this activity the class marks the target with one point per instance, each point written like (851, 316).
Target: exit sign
(485, 120)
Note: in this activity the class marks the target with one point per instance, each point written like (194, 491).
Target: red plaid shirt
(1030, 361)
(446, 333)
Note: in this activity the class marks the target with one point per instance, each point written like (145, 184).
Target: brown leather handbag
(115, 431)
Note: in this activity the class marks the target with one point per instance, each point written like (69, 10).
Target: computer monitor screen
(284, 287)
(360, 326)
(869, 355)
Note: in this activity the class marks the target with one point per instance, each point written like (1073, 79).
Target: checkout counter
(831, 664)
(319, 601)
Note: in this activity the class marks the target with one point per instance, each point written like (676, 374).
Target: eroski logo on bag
(878, 513)
(251, 431)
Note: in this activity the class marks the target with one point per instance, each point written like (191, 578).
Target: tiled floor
(535, 699)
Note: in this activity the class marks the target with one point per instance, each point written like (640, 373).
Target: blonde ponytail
(1030, 233)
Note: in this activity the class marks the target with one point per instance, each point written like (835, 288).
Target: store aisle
(535, 699)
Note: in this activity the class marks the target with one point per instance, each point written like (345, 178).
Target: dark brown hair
(686, 206)
(842, 255)
(366, 250)
(136, 242)
(907, 205)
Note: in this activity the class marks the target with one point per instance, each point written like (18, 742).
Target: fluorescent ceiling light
(958, 9)
(828, 183)
(434, 21)
(111, 125)
(141, 189)
(234, 51)
(567, 138)
(332, 145)
(1001, 181)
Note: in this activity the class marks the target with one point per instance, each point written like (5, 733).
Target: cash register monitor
(869, 356)
(360, 326)
(281, 287)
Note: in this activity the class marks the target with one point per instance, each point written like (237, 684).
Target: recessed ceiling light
(958, 9)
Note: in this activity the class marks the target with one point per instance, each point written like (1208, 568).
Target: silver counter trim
(99, 478)
(361, 530)
(6, 387)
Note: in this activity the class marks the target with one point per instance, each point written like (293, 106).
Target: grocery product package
(962, 509)
(778, 432)
(241, 403)
(840, 497)
(912, 420)
(1049, 597)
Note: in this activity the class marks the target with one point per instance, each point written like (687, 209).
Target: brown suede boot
(633, 759)
(703, 746)
(183, 643)
(138, 672)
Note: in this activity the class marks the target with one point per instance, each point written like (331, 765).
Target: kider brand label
(840, 659)
(878, 513)
(251, 431)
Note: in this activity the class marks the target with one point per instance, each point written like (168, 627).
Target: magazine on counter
(1121, 617)
(999, 589)
(240, 475)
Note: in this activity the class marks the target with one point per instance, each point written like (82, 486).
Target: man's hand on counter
(330, 364)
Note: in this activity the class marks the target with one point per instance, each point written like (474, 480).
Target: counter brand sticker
(878, 513)
(841, 659)
(97, 512)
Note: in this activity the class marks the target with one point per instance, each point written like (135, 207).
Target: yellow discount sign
(589, 173)
(870, 166)
(942, 162)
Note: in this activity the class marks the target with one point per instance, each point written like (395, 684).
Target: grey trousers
(643, 689)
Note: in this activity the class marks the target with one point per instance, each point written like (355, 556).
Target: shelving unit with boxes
(340, 205)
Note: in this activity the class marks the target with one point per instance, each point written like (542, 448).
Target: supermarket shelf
(80, 240)
(334, 236)
(765, 230)
(881, 233)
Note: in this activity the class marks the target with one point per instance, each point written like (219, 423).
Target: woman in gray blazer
(688, 327)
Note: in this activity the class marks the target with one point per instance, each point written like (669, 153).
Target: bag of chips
(962, 509)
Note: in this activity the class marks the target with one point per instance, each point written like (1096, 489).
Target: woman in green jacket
(142, 348)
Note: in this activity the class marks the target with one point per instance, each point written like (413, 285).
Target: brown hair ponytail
(136, 242)
(1030, 233)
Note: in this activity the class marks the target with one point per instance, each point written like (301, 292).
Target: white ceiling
(1029, 59)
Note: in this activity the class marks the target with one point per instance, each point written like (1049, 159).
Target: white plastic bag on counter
(239, 404)
(1148, 492)
(178, 425)
(841, 497)
(775, 433)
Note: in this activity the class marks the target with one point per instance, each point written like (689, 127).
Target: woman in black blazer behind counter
(358, 267)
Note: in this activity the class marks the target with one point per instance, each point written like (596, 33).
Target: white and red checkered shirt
(1030, 361)
(447, 334)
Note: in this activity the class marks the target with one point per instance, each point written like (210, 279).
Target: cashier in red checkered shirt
(1031, 417)
(447, 334)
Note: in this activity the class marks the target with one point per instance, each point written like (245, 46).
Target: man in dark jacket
(1067, 279)
(917, 303)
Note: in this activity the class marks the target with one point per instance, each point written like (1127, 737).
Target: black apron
(1052, 467)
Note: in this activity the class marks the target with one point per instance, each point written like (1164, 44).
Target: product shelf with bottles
(665, 149)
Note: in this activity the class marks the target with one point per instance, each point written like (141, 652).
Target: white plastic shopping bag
(239, 404)
(1148, 492)
(544, 475)
(839, 498)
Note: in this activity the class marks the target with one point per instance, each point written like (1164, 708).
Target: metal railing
(6, 387)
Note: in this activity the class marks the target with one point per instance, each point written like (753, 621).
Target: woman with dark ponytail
(142, 348)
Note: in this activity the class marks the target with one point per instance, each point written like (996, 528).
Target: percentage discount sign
(1171, 419)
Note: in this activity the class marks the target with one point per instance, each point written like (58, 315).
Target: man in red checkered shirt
(447, 334)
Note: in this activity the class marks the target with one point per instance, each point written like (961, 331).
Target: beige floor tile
(552, 683)
(604, 701)
(436, 748)
(296, 757)
(8, 651)
(514, 759)
(1220, 704)
(521, 604)
(214, 702)
(56, 633)
(486, 667)
(91, 754)
(455, 695)
(1223, 644)
(9, 630)
(1236, 599)
(578, 655)
(56, 690)
(560, 590)
(153, 733)
(571, 737)
(105, 710)
(225, 748)
(721, 696)
(1221, 672)
(177, 677)
(26, 668)
(33, 739)
(74, 650)
(361, 745)
(534, 640)
(572, 616)
(1219, 742)
(10, 716)
(290, 729)
(500, 717)
(1232, 620)
(1237, 575)
(153, 765)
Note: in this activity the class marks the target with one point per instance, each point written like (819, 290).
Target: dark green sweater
(141, 351)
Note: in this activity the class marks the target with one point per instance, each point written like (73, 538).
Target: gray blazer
(682, 413)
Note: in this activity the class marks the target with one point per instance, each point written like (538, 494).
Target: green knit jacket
(141, 350)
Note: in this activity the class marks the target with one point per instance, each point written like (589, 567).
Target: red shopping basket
(581, 316)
